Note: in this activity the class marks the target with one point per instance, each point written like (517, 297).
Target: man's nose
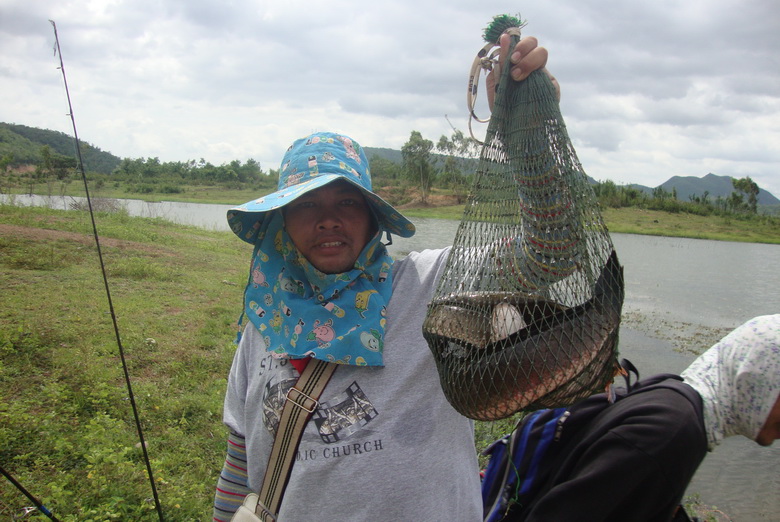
(328, 218)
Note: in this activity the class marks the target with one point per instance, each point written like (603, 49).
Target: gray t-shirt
(385, 444)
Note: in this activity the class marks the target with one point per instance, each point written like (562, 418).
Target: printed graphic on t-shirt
(336, 418)
(273, 400)
(344, 415)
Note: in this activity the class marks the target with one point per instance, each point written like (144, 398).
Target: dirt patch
(44, 234)
(433, 201)
(409, 197)
(22, 169)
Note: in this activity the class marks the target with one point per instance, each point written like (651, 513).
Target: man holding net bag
(384, 442)
(387, 439)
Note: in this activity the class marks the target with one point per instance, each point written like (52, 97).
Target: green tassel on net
(526, 314)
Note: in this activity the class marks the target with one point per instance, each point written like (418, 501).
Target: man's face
(330, 226)
(771, 430)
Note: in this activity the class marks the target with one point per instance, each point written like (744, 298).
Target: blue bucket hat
(309, 164)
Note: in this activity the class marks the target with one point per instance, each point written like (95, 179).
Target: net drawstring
(485, 60)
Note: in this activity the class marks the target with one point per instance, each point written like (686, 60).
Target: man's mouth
(330, 244)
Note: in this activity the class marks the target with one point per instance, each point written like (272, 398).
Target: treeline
(135, 176)
(30, 156)
(150, 175)
(446, 166)
(456, 156)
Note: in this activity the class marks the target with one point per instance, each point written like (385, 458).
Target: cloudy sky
(650, 89)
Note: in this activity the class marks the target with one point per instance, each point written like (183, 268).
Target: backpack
(520, 462)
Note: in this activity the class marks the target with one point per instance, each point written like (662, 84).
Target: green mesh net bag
(526, 314)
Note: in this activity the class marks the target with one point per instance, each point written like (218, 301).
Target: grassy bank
(66, 428)
(631, 220)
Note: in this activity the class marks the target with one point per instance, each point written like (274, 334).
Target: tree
(461, 154)
(250, 171)
(5, 163)
(53, 167)
(383, 171)
(45, 168)
(417, 162)
(749, 188)
(151, 168)
(735, 202)
(660, 193)
(127, 168)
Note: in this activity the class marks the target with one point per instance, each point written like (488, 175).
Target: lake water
(682, 295)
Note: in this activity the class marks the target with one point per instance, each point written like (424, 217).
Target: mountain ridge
(714, 185)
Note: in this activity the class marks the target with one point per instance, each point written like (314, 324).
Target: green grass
(754, 229)
(66, 428)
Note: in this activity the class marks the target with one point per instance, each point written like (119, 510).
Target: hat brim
(244, 219)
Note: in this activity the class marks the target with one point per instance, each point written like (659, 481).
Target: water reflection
(211, 217)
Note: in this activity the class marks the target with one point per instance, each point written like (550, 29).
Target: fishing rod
(137, 418)
(40, 507)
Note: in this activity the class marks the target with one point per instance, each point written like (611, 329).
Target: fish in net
(527, 311)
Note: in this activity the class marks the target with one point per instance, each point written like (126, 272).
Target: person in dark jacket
(634, 461)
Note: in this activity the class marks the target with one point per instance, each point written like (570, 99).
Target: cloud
(649, 90)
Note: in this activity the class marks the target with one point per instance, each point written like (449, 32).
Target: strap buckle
(264, 513)
(302, 400)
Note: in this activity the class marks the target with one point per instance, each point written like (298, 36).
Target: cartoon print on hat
(309, 164)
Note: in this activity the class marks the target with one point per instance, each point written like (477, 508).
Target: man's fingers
(526, 57)
(525, 46)
(527, 63)
(503, 42)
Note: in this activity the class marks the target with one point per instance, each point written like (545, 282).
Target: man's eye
(303, 204)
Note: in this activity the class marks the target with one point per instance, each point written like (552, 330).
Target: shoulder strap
(627, 368)
(302, 400)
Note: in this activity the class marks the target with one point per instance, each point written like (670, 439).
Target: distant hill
(25, 144)
(713, 184)
(389, 154)
(397, 157)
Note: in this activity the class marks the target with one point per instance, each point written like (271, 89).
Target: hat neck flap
(303, 312)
